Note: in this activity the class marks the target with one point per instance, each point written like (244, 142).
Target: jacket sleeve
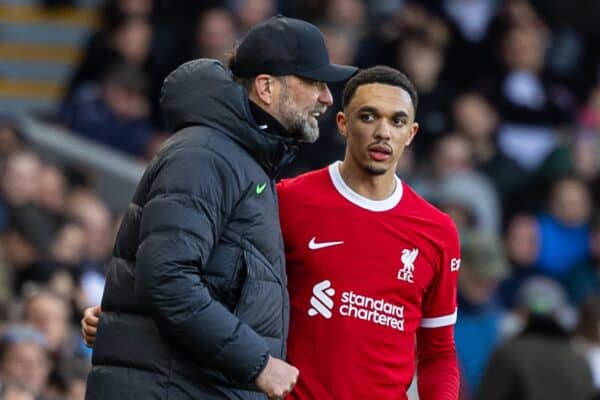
(188, 204)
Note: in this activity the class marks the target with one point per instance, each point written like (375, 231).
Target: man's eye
(399, 121)
(367, 117)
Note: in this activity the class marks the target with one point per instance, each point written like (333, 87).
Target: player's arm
(437, 368)
(437, 365)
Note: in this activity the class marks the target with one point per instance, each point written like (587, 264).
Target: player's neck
(373, 187)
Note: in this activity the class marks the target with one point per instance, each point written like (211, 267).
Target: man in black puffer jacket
(195, 304)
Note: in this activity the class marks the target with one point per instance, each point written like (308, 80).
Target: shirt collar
(266, 121)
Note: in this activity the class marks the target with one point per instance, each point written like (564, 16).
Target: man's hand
(89, 324)
(277, 379)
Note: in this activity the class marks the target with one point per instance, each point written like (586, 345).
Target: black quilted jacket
(196, 297)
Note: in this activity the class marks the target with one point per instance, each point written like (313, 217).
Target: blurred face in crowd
(9, 140)
(590, 113)
(126, 103)
(96, 222)
(522, 241)
(474, 286)
(422, 62)
(586, 156)
(521, 13)
(251, 12)
(50, 314)
(68, 247)
(132, 40)
(52, 189)
(524, 49)
(137, 8)
(474, 116)
(17, 250)
(378, 123)
(12, 392)
(453, 154)
(26, 364)
(348, 13)
(215, 34)
(340, 45)
(570, 202)
(20, 178)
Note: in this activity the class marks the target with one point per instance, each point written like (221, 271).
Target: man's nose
(383, 130)
(325, 96)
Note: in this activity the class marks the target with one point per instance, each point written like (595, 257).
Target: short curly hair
(379, 74)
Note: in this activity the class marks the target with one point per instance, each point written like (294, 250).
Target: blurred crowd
(509, 146)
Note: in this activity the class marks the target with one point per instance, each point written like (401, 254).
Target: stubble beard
(296, 123)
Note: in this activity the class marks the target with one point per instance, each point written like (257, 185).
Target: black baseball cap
(287, 46)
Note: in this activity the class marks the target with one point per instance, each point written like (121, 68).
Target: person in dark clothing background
(541, 363)
(195, 304)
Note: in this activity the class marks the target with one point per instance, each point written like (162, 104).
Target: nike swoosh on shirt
(316, 246)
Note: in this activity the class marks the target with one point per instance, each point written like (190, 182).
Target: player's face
(378, 124)
(300, 103)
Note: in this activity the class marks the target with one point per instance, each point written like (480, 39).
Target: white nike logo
(316, 246)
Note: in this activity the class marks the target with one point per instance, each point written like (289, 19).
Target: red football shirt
(363, 276)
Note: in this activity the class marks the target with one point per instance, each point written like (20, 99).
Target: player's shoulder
(303, 183)
(424, 208)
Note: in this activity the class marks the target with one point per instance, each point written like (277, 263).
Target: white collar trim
(359, 200)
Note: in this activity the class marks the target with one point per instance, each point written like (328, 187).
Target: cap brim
(328, 73)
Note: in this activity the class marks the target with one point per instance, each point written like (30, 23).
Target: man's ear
(414, 129)
(264, 86)
(342, 123)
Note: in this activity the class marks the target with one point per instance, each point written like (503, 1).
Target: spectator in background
(10, 139)
(52, 189)
(477, 331)
(50, 313)
(476, 119)
(530, 107)
(469, 23)
(24, 359)
(580, 154)
(455, 186)
(29, 235)
(522, 244)
(15, 392)
(125, 40)
(584, 279)
(421, 56)
(215, 35)
(564, 229)
(251, 12)
(69, 380)
(541, 363)
(19, 184)
(95, 218)
(349, 14)
(115, 113)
